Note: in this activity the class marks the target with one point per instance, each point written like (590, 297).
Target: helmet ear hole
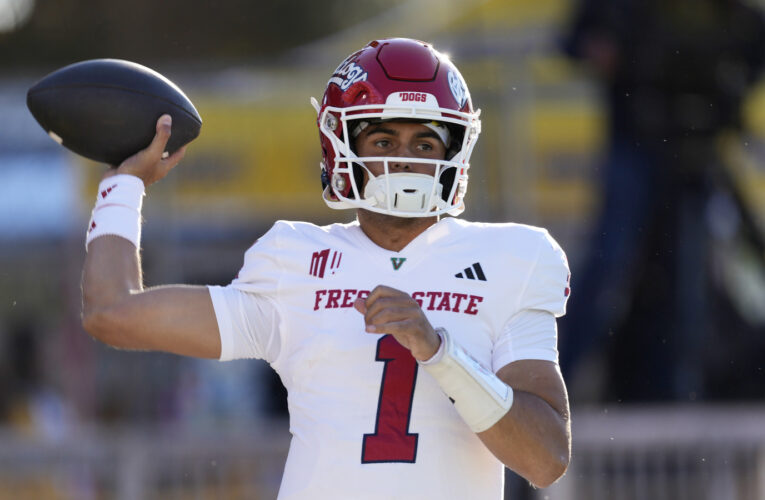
(352, 125)
(324, 179)
(358, 177)
(447, 181)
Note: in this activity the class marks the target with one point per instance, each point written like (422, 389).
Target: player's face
(400, 140)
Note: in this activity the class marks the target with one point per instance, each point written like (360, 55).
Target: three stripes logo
(473, 272)
(320, 259)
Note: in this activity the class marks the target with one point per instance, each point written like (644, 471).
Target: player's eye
(430, 148)
(382, 143)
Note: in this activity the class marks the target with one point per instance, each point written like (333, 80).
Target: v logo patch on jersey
(474, 272)
(397, 262)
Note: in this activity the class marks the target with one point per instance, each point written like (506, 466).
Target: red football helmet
(396, 79)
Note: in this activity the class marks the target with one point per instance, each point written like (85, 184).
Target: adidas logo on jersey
(473, 272)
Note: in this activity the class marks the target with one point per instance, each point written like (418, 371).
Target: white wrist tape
(118, 209)
(480, 397)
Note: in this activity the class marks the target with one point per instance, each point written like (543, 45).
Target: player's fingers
(360, 305)
(398, 301)
(386, 304)
(162, 135)
(382, 295)
(174, 159)
(400, 312)
(169, 163)
(376, 306)
(401, 328)
(382, 291)
(383, 314)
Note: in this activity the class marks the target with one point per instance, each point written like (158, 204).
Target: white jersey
(365, 421)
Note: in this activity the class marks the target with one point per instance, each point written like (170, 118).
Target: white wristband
(118, 209)
(480, 397)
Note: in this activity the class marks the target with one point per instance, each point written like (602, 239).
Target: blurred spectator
(674, 73)
(29, 403)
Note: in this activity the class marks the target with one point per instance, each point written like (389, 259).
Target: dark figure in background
(675, 73)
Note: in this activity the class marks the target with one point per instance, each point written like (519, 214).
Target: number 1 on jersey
(391, 441)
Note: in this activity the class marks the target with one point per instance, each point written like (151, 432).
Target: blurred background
(634, 130)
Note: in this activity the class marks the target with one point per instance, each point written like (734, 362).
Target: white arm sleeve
(248, 324)
(530, 334)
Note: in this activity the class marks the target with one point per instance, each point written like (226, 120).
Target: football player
(418, 351)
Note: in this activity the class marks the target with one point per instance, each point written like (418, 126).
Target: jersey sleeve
(248, 324)
(547, 285)
(531, 332)
(247, 310)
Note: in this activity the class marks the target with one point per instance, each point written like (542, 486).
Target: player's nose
(400, 164)
(401, 156)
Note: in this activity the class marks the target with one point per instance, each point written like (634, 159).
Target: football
(107, 109)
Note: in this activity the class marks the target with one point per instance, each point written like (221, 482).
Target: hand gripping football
(107, 109)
